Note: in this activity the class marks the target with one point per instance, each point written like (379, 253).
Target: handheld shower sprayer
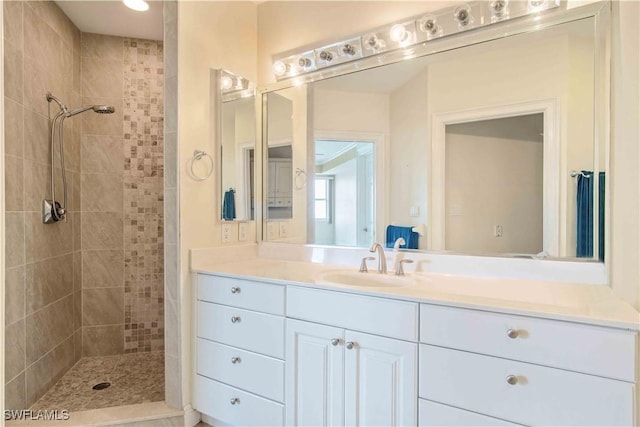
(52, 210)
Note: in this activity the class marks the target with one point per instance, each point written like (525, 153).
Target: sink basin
(366, 280)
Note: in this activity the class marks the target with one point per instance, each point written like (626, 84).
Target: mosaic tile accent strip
(134, 378)
(143, 196)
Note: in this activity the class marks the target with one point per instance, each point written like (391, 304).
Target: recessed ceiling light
(139, 5)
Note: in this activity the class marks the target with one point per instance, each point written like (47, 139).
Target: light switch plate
(284, 229)
(243, 230)
(272, 230)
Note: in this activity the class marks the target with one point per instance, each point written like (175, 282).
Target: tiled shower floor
(134, 378)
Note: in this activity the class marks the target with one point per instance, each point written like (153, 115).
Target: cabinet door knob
(512, 379)
(235, 319)
(335, 341)
(235, 360)
(512, 333)
(350, 345)
(235, 290)
(235, 401)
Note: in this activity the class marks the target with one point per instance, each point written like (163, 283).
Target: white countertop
(589, 304)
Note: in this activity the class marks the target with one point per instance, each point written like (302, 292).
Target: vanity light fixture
(373, 42)
(234, 87)
(280, 68)
(535, 6)
(406, 35)
(137, 5)
(499, 10)
(226, 82)
(429, 25)
(463, 16)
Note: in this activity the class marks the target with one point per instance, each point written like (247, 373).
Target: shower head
(100, 109)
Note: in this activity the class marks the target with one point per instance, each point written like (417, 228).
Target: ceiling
(114, 18)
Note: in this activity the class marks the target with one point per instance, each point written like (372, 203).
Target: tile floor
(134, 378)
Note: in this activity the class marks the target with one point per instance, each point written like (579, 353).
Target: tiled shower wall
(42, 322)
(122, 196)
(68, 291)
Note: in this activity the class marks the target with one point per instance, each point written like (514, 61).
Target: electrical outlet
(243, 231)
(226, 233)
(497, 231)
(284, 229)
(414, 211)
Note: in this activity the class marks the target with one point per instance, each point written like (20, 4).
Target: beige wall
(409, 155)
(625, 153)
(209, 35)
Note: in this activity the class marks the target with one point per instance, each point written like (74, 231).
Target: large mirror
(235, 101)
(491, 148)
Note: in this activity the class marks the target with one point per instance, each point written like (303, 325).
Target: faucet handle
(400, 270)
(363, 264)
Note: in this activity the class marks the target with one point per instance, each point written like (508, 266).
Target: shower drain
(101, 386)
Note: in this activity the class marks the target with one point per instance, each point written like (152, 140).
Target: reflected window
(323, 198)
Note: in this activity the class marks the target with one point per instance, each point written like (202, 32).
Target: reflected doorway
(344, 193)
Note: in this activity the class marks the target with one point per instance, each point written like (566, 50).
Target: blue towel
(410, 237)
(229, 206)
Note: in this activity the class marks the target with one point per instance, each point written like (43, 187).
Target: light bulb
(499, 10)
(463, 15)
(304, 63)
(280, 68)
(428, 24)
(536, 5)
(137, 5)
(372, 42)
(398, 33)
(226, 83)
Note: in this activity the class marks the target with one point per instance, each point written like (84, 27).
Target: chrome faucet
(382, 260)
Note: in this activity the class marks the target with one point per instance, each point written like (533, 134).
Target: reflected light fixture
(226, 82)
(463, 16)
(371, 41)
(429, 25)
(137, 5)
(280, 68)
(499, 10)
(398, 33)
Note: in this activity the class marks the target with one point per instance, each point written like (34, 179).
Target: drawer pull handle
(235, 360)
(512, 333)
(235, 319)
(235, 401)
(512, 380)
(235, 290)
(335, 341)
(350, 345)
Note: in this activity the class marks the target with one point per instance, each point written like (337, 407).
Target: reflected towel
(410, 237)
(229, 206)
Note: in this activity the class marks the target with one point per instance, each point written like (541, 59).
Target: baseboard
(191, 416)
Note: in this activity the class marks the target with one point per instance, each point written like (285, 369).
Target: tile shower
(87, 291)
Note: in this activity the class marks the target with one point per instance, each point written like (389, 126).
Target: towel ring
(199, 155)
(301, 177)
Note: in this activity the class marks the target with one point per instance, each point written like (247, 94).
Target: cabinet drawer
(253, 372)
(215, 400)
(594, 350)
(432, 414)
(541, 395)
(258, 296)
(249, 330)
(391, 318)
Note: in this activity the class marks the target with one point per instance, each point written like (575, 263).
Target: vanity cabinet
(337, 376)
(280, 184)
(525, 370)
(240, 351)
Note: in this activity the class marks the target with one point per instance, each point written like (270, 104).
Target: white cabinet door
(284, 177)
(314, 369)
(381, 381)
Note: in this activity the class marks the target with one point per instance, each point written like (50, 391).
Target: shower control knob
(512, 380)
(235, 319)
(235, 290)
(512, 333)
(235, 401)
(235, 360)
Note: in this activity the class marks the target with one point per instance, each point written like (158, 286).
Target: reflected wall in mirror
(237, 143)
(475, 148)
